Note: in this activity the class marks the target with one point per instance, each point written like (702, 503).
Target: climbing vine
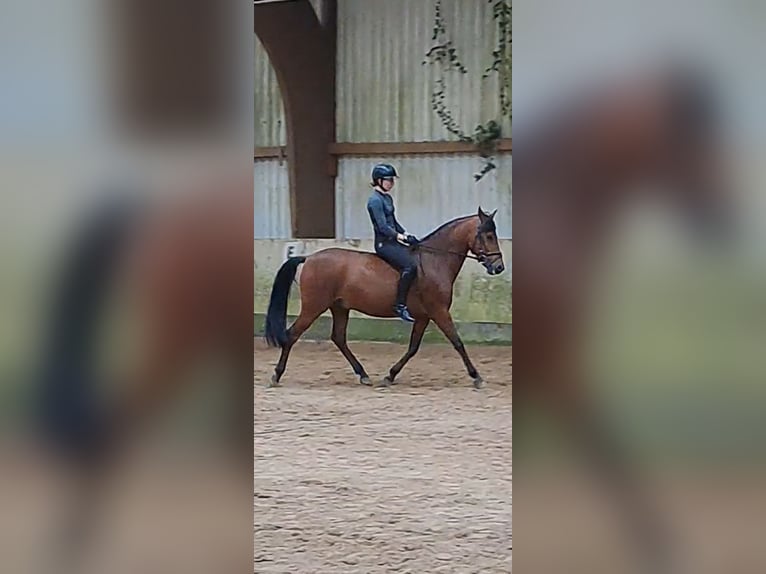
(444, 55)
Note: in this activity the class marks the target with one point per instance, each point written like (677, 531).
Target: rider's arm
(375, 208)
(398, 226)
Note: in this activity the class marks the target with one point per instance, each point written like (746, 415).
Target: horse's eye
(490, 236)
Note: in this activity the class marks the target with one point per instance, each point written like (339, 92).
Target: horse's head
(661, 128)
(702, 196)
(693, 155)
(485, 244)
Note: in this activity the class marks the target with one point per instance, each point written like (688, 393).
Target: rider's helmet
(383, 171)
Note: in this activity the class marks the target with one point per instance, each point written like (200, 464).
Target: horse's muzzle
(495, 268)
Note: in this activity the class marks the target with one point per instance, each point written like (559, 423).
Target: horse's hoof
(478, 382)
(386, 382)
(366, 381)
(274, 382)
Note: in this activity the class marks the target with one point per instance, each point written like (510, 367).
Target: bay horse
(573, 174)
(343, 279)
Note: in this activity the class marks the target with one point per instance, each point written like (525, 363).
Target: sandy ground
(411, 478)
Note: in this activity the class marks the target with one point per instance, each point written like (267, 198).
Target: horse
(343, 279)
(573, 174)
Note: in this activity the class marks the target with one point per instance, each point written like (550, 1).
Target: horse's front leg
(443, 320)
(418, 329)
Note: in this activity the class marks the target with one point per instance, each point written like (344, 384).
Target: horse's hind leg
(339, 326)
(418, 329)
(303, 322)
(443, 320)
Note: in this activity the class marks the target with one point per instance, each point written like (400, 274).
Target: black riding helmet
(383, 171)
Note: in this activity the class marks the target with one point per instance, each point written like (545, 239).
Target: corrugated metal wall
(383, 94)
(384, 90)
(272, 200)
(271, 186)
(269, 111)
(431, 190)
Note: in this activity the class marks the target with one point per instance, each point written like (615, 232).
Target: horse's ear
(492, 215)
(482, 216)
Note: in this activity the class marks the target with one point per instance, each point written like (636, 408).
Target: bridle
(482, 255)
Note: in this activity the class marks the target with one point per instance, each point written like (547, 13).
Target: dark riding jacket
(381, 209)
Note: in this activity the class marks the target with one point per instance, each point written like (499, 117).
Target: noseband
(482, 255)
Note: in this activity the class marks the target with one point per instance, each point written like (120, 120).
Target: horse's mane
(444, 226)
(488, 225)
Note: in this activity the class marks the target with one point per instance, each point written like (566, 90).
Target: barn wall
(272, 200)
(384, 94)
(270, 128)
(384, 90)
(432, 189)
(270, 176)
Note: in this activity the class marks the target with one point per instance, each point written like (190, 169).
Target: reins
(481, 257)
(436, 250)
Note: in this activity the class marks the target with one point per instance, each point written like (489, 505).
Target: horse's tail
(69, 413)
(276, 318)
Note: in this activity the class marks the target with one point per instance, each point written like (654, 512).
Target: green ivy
(503, 53)
(444, 55)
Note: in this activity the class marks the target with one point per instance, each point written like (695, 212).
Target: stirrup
(403, 313)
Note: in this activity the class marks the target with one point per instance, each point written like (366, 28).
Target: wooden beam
(403, 148)
(388, 148)
(270, 152)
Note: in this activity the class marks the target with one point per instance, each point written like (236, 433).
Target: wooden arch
(302, 47)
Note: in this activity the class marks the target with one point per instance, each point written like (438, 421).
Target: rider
(390, 237)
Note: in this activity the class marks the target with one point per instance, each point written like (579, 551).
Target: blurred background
(125, 149)
(669, 341)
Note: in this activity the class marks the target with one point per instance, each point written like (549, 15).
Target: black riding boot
(405, 281)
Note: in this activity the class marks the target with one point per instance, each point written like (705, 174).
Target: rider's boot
(405, 281)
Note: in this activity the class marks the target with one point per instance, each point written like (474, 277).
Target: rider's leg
(405, 282)
(399, 257)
